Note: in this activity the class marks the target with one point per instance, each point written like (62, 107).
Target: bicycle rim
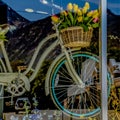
(69, 97)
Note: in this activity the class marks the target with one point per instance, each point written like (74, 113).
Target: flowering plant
(3, 30)
(75, 16)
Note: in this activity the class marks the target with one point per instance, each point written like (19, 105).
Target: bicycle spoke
(72, 98)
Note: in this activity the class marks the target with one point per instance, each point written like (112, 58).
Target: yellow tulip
(64, 13)
(95, 11)
(89, 14)
(95, 14)
(84, 10)
(55, 19)
(75, 7)
(79, 12)
(69, 6)
(87, 5)
(80, 19)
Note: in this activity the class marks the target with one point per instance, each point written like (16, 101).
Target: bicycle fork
(70, 67)
(68, 63)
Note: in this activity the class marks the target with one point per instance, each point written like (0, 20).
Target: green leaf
(86, 18)
(71, 17)
(75, 20)
(2, 36)
(68, 22)
(63, 25)
(95, 25)
(84, 27)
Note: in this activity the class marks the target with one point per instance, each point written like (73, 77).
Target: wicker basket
(76, 37)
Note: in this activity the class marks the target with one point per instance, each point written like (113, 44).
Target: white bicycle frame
(7, 77)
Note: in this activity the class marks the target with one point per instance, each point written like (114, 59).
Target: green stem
(89, 21)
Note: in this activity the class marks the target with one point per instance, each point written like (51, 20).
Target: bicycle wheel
(76, 101)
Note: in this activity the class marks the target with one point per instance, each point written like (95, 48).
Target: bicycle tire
(61, 83)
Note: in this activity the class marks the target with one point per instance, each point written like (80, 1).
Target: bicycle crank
(16, 84)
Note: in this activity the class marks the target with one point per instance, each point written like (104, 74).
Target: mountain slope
(26, 38)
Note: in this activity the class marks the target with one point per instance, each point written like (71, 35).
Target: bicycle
(72, 79)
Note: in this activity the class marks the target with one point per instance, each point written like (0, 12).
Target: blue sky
(40, 10)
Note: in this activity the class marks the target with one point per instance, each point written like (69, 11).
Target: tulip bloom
(65, 13)
(95, 20)
(80, 19)
(70, 7)
(84, 10)
(87, 5)
(75, 8)
(95, 14)
(79, 12)
(55, 19)
(89, 14)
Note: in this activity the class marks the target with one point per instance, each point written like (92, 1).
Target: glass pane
(113, 41)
